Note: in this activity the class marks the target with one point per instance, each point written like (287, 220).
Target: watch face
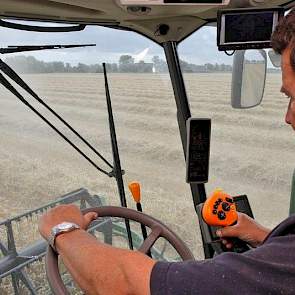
(65, 225)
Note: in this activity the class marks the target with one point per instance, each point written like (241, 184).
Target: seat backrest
(292, 199)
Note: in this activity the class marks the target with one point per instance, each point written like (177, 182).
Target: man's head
(283, 42)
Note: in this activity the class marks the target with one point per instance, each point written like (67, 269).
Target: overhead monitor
(247, 29)
(174, 2)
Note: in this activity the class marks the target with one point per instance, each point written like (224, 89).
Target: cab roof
(182, 19)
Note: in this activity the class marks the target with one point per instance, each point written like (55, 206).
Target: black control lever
(239, 246)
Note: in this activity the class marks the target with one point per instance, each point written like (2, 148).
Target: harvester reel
(158, 229)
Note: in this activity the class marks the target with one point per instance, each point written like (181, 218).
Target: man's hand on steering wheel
(99, 268)
(62, 213)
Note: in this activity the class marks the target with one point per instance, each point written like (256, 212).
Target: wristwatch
(64, 227)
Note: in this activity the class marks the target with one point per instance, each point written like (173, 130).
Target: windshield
(251, 150)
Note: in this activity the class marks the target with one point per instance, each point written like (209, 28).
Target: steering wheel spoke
(150, 240)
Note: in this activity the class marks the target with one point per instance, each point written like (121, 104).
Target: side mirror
(248, 78)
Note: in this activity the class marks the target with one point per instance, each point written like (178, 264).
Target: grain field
(252, 150)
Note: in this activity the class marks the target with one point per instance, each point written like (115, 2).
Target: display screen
(198, 150)
(247, 28)
(250, 27)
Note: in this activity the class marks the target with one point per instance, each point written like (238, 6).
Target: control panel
(220, 210)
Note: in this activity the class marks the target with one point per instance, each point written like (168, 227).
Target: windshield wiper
(17, 79)
(8, 85)
(117, 163)
(15, 49)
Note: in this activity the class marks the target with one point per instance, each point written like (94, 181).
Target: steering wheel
(158, 230)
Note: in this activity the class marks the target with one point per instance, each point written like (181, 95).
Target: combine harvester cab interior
(210, 141)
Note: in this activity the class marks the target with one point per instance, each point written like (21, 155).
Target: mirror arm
(263, 53)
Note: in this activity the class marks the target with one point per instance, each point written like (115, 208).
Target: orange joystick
(219, 209)
(134, 188)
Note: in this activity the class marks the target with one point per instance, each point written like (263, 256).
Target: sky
(200, 48)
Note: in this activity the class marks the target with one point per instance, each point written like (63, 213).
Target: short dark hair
(284, 36)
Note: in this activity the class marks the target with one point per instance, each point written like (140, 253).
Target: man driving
(268, 268)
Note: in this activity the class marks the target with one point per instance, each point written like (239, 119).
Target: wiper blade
(15, 49)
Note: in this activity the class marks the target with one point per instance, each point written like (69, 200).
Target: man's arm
(96, 267)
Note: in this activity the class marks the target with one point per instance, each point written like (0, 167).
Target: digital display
(252, 27)
(198, 150)
(247, 28)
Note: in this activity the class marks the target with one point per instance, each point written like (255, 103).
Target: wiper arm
(117, 163)
(6, 69)
(15, 49)
(7, 85)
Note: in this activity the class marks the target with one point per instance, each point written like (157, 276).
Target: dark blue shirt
(268, 269)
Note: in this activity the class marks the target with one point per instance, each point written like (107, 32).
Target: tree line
(126, 64)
